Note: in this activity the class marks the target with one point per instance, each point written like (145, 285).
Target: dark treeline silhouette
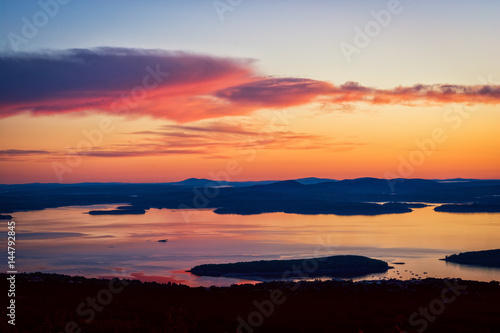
(48, 302)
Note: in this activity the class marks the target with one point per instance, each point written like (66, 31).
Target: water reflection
(66, 240)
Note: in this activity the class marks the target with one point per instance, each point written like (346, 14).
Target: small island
(121, 210)
(468, 208)
(341, 266)
(488, 258)
(416, 205)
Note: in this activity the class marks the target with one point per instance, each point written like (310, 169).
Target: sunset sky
(159, 91)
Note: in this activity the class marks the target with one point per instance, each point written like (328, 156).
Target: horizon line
(254, 181)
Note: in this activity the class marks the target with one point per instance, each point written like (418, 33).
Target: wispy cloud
(209, 139)
(213, 127)
(21, 152)
(22, 155)
(283, 92)
(219, 138)
(135, 152)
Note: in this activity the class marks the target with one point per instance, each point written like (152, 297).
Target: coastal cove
(68, 240)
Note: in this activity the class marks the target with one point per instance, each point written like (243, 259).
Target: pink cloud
(184, 87)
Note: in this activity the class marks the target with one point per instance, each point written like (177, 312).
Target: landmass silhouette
(362, 196)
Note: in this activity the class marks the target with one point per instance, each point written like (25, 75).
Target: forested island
(469, 208)
(489, 258)
(345, 266)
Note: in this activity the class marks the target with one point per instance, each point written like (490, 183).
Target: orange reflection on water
(66, 240)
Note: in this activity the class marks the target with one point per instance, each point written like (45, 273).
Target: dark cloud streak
(21, 152)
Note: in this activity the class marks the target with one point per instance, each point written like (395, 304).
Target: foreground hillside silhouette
(329, 306)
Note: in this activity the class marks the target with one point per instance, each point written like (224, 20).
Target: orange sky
(335, 140)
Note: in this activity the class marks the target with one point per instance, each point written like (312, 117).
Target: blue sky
(428, 42)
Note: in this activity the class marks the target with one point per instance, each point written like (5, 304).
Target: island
(468, 208)
(341, 266)
(416, 205)
(488, 258)
(121, 210)
(310, 207)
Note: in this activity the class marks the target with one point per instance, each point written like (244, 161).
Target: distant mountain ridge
(210, 182)
(361, 196)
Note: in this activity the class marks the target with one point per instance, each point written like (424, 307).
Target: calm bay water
(68, 241)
